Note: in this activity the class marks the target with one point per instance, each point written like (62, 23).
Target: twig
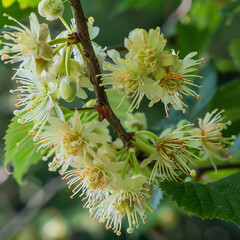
(202, 170)
(95, 72)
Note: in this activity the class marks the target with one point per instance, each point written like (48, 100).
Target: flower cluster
(28, 46)
(112, 178)
(48, 71)
(149, 70)
(176, 149)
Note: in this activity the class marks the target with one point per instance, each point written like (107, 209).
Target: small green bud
(68, 88)
(50, 9)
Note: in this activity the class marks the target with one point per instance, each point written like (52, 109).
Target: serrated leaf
(20, 149)
(220, 199)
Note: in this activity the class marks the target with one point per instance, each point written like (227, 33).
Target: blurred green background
(42, 209)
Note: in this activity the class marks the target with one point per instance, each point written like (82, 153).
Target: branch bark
(95, 70)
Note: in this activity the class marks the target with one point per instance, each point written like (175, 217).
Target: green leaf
(199, 40)
(207, 92)
(140, 4)
(220, 199)
(67, 113)
(230, 9)
(114, 99)
(205, 14)
(22, 3)
(20, 149)
(28, 3)
(234, 49)
(227, 98)
(15, 11)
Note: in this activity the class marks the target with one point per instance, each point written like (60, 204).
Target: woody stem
(95, 70)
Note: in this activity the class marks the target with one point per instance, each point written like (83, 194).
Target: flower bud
(68, 88)
(50, 9)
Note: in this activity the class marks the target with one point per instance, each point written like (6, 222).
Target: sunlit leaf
(7, 3)
(20, 150)
(114, 100)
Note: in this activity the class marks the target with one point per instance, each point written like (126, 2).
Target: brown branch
(202, 170)
(95, 71)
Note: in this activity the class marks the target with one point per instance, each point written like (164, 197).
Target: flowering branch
(95, 73)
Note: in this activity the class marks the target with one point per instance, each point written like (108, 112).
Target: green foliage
(219, 199)
(22, 3)
(205, 14)
(226, 98)
(230, 9)
(114, 100)
(14, 11)
(20, 149)
(234, 49)
(140, 4)
(197, 42)
(207, 92)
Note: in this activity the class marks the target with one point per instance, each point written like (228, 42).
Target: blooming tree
(115, 174)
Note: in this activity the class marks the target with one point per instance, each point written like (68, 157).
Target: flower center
(72, 142)
(97, 178)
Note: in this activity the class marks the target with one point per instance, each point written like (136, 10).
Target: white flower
(129, 78)
(93, 180)
(73, 143)
(173, 153)
(176, 82)
(212, 141)
(28, 46)
(130, 198)
(36, 99)
(147, 48)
